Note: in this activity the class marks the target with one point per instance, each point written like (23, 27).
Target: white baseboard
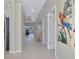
(14, 52)
(57, 57)
(51, 48)
(18, 51)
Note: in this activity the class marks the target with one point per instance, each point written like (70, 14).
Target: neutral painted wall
(15, 27)
(62, 51)
(22, 27)
(43, 31)
(18, 27)
(12, 27)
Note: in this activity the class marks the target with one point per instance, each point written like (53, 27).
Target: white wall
(22, 27)
(62, 51)
(65, 52)
(18, 27)
(12, 27)
(15, 27)
(43, 31)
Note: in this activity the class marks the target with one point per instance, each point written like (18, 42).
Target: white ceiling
(30, 7)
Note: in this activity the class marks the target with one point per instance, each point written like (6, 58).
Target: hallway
(32, 50)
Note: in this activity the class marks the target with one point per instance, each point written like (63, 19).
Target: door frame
(54, 9)
(6, 33)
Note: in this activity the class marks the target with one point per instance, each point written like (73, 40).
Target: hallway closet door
(51, 30)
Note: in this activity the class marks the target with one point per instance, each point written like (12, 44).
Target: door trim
(54, 9)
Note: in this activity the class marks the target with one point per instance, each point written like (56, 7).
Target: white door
(51, 30)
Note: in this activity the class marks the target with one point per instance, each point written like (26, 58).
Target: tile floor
(32, 50)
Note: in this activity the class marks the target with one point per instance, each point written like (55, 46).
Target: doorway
(51, 29)
(6, 32)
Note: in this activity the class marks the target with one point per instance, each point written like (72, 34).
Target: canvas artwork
(66, 27)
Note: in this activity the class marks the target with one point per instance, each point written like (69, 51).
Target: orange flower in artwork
(64, 21)
(62, 17)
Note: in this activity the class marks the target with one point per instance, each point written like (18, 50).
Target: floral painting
(65, 24)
